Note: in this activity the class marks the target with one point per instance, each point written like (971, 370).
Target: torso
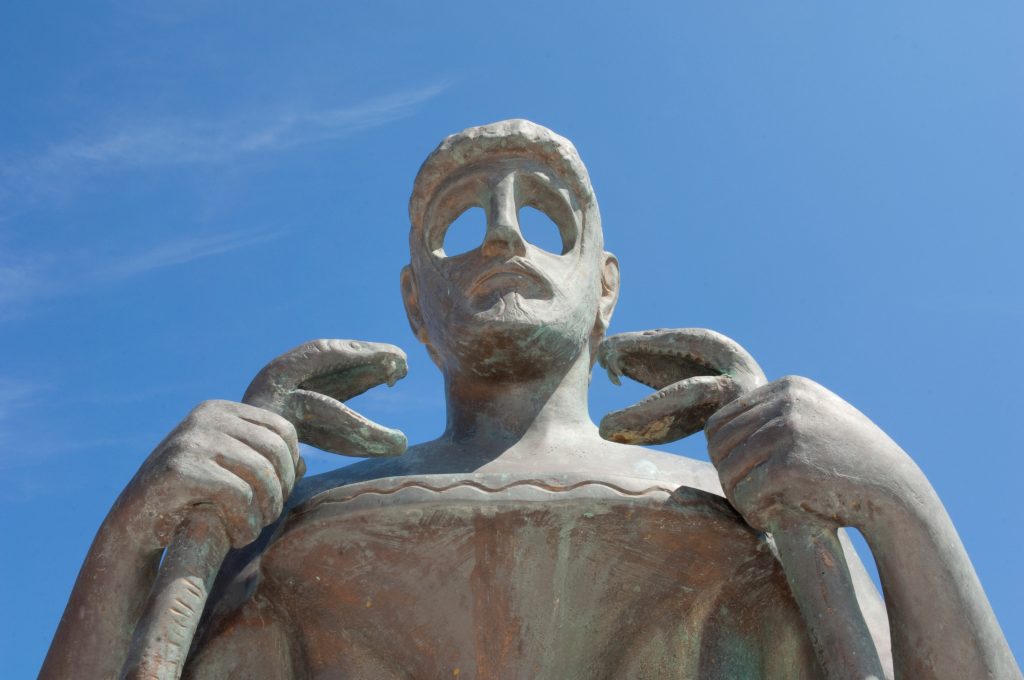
(405, 568)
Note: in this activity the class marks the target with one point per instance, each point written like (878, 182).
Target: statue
(526, 542)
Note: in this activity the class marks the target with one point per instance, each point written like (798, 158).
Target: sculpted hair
(509, 139)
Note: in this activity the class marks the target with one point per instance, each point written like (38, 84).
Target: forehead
(472, 148)
(499, 167)
(472, 184)
(533, 183)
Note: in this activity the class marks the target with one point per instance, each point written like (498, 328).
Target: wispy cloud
(167, 12)
(19, 281)
(29, 438)
(150, 144)
(182, 250)
(16, 395)
(122, 397)
(22, 282)
(176, 141)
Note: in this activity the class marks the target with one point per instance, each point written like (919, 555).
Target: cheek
(582, 277)
(436, 293)
(577, 305)
(555, 266)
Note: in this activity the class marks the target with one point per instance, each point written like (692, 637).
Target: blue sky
(188, 189)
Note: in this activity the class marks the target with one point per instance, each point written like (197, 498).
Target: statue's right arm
(238, 459)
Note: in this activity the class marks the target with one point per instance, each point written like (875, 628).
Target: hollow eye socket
(541, 231)
(466, 232)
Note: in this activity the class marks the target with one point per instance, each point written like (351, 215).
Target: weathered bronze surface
(525, 542)
(494, 576)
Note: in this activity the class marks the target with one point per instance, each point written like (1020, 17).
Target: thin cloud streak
(23, 279)
(181, 251)
(31, 452)
(178, 142)
(16, 396)
(21, 284)
(25, 445)
(19, 281)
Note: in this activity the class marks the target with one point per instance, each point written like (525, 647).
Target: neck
(491, 414)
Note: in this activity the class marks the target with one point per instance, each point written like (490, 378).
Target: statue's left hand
(782, 454)
(788, 453)
(792, 453)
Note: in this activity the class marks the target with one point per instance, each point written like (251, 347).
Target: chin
(513, 309)
(516, 338)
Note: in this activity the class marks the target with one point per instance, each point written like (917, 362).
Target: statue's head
(507, 307)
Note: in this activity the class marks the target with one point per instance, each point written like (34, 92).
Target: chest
(503, 576)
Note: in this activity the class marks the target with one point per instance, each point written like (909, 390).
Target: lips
(509, 275)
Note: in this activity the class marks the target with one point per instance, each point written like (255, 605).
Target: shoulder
(663, 466)
(599, 458)
(364, 470)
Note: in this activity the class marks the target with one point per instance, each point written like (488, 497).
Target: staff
(306, 386)
(677, 363)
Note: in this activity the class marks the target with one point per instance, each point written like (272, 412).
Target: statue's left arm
(791, 453)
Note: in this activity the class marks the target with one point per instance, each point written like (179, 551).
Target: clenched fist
(241, 460)
(791, 453)
(238, 460)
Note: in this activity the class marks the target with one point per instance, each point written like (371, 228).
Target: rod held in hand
(164, 634)
(819, 579)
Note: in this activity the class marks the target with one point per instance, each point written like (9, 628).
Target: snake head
(694, 370)
(308, 385)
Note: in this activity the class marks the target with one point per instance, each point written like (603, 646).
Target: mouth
(513, 275)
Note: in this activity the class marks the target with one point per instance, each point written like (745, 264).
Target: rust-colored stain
(522, 581)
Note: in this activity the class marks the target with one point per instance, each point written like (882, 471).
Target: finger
(274, 422)
(754, 499)
(743, 403)
(253, 467)
(727, 434)
(328, 424)
(232, 497)
(270, 445)
(767, 441)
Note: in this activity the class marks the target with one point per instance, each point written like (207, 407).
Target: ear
(609, 291)
(411, 298)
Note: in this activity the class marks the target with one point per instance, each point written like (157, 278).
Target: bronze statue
(525, 542)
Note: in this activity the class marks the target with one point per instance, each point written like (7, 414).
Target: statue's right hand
(237, 460)
(241, 460)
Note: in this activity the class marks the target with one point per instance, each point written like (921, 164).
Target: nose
(503, 238)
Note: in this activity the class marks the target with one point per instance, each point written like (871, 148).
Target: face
(506, 305)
